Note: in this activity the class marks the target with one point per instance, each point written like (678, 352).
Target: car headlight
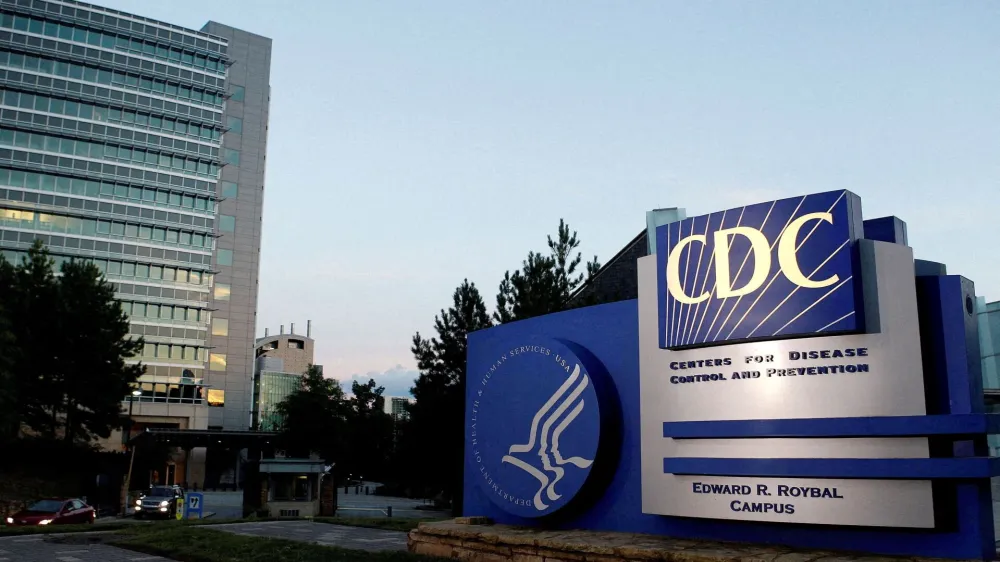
(44, 521)
(164, 503)
(138, 502)
(10, 520)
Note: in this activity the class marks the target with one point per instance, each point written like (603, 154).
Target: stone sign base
(469, 538)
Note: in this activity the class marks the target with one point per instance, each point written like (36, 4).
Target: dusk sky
(415, 144)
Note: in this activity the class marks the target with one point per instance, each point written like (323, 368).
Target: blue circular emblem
(534, 427)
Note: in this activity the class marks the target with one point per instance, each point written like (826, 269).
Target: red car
(54, 512)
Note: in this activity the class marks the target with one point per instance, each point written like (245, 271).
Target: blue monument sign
(788, 374)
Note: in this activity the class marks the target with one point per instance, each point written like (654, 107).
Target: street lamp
(135, 394)
(128, 478)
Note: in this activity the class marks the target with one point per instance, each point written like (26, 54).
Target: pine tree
(545, 283)
(434, 437)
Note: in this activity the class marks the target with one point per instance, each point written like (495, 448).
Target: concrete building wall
(295, 351)
(237, 254)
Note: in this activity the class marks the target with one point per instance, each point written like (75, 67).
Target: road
(355, 538)
(360, 505)
(37, 549)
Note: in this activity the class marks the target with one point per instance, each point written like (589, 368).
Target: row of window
(155, 104)
(134, 119)
(107, 40)
(152, 331)
(155, 292)
(142, 310)
(109, 114)
(193, 374)
(63, 224)
(144, 271)
(108, 151)
(115, 249)
(109, 190)
(22, 159)
(104, 18)
(173, 352)
(108, 77)
(49, 123)
(72, 206)
(173, 393)
(141, 272)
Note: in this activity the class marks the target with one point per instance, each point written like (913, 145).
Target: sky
(416, 144)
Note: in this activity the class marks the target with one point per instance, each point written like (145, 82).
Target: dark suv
(160, 501)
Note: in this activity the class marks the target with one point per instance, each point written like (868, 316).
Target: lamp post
(135, 394)
(125, 439)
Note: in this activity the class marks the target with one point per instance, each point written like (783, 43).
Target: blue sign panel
(764, 271)
(194, 504)
(533, 424)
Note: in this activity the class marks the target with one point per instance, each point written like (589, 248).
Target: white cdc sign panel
(870, 367)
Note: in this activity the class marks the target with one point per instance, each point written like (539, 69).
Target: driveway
(37, 549)
(351, 504)
(355, 538)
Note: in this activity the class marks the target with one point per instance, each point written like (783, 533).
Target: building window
(227, 223)
(222, 291)
(239, 92)
(230, 156)
(220, 327)
(235, 124)
(224, 257)
(217, 361)
(216, 397)
(296, 344)
(229, 190)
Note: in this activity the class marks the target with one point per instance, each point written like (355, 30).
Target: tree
(369, 432)
(433, 439)
(69, 347)
(313, 418)
(91, 364)
(9, 418)
(545, 283)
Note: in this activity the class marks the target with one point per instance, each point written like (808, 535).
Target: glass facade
(988, 317)
(271, 388)
(139, 145)
(111, 131)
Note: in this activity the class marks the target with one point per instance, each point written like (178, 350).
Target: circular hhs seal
(534, 427)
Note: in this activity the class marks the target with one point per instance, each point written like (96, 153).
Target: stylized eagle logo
(548, 439)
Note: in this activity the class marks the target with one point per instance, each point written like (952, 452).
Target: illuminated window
(216, 397)
(220, 327)
(217, 361)
(222, 291)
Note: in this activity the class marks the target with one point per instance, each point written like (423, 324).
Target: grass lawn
(404, 524)
(187, 544)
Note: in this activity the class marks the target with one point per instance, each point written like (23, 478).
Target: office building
(398, 408)
(280, 362)
(139, 145)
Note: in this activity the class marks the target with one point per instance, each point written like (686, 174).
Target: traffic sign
(194, 504)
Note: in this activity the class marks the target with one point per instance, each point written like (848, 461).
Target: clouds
(397, 380)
